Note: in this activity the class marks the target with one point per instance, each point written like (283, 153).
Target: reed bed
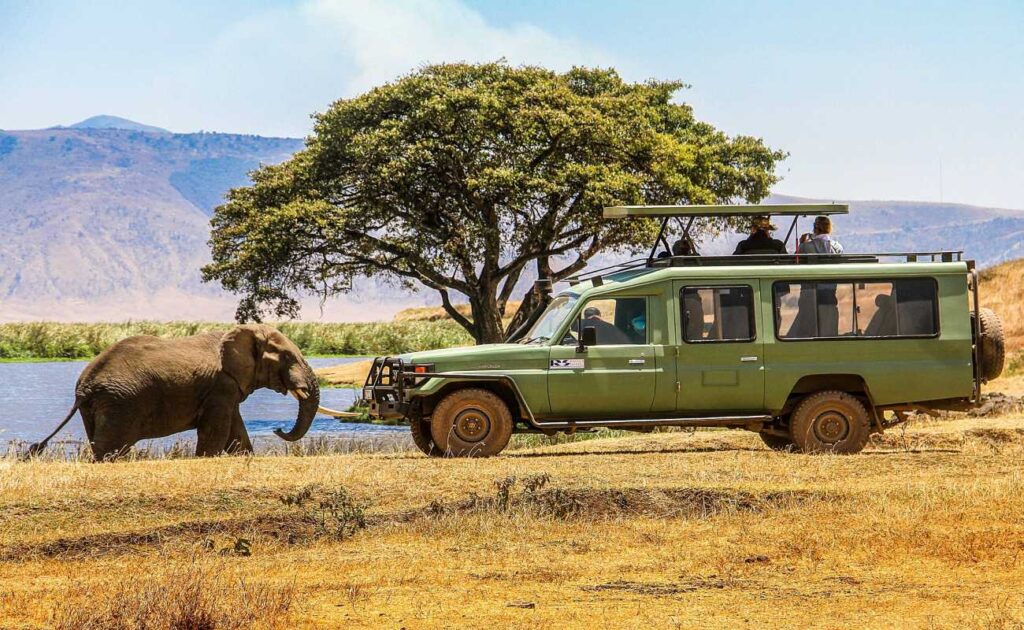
(53, 340)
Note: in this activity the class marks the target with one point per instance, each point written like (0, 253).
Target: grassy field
(709, 529)
(49, 340)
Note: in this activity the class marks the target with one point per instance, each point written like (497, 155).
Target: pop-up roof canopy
(776, 210)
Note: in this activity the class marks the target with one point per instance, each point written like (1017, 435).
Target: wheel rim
(831, 427)
(472, 425)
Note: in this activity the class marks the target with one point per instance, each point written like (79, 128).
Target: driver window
(618, 321)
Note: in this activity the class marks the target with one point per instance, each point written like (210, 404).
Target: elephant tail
(39, 447)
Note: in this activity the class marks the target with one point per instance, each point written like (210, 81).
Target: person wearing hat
(760, 240)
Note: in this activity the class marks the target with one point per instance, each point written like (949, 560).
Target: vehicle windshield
(551, 320)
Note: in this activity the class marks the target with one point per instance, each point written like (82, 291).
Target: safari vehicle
(813, 352)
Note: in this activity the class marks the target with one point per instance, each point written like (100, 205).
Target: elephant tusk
(300, 394)
(338, 414)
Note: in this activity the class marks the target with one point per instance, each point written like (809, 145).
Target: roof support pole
(792, 228)
(657, 241)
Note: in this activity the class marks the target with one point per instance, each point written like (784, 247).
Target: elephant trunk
(308, 395)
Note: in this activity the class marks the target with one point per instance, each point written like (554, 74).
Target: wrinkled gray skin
(148, 387)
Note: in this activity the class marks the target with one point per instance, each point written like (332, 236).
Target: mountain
(108, 223)
(988, 235)
(115, 122)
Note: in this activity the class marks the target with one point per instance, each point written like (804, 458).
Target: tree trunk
(533, 298)
(486, 315)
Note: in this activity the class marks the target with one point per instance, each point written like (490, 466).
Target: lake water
(35, 397)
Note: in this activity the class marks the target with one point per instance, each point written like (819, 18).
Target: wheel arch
(850, 383)
(501, 386)
(810, 383)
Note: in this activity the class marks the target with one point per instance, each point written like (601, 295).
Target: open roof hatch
(795, 210)
(686, 215)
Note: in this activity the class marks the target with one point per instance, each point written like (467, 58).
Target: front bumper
(385, 392)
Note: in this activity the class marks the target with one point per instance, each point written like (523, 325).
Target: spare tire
(992, 348)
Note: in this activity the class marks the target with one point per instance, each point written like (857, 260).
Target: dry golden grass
(345, 375)
(1002, 290)
(436, 313)
(709, 529)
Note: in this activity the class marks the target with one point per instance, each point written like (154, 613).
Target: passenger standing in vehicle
(825, 302)
(760, 240)
(821, 242)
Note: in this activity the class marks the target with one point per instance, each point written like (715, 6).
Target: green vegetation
(461, 178)
(50, 341)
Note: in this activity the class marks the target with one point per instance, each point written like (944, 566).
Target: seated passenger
(821, 242)
(683, 247)
(883, 322)
(693, 309)
(760, 240)
(607, 334)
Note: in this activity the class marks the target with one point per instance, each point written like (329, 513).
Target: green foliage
(461, 177)
(49, 340)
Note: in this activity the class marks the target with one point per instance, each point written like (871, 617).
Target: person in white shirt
(827, 318)
(821, 242)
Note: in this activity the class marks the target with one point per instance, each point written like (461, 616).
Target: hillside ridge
(112, 223)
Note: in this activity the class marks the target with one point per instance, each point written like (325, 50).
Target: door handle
(748, 359)
(637, 361)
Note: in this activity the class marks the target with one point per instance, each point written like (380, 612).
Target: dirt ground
(710, 529)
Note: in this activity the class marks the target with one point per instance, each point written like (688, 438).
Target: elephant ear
(241, 350)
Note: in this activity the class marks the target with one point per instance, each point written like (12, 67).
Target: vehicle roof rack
(737, 260)
(769, 209)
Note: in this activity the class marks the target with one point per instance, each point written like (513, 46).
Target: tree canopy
(464, 177)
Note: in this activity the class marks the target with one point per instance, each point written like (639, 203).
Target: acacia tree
(463, 177)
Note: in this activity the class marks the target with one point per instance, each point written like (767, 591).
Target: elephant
(150, 387)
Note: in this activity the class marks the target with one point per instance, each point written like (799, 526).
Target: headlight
(420, 368)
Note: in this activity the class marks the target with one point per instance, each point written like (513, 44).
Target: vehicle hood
(485, 357)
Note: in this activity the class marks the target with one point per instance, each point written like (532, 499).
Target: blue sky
(869, 98)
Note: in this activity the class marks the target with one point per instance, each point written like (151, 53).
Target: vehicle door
(719, 352)
(615, 377)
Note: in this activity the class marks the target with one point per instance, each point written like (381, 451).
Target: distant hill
(109, 220)
(114, 122)
(988, 235)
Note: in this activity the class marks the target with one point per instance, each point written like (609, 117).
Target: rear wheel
(422, 438)
(776, 442)
(830, 422)
(471, 423)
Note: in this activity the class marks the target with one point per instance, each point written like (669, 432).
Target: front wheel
(471, 423)
(830, 422)
(421, 437)
(776, 442)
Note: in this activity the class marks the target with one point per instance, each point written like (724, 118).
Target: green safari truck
(814, 352)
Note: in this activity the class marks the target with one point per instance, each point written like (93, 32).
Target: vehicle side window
(618, 321)
(868, 309)
(717, 314)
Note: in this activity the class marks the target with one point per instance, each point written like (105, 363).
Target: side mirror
(587, 338)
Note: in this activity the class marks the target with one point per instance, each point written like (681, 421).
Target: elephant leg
(214, 428)
(106, 437)
(238, 440)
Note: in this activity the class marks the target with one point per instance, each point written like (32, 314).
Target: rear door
(615, 378)
(719, 353)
